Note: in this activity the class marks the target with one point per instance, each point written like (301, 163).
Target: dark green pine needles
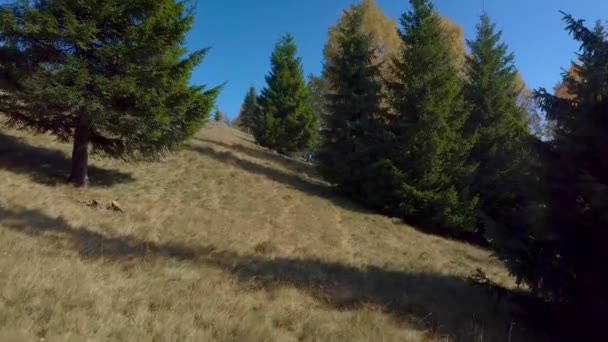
(287, 122)
(574, 259)
(350, 135)
(249, 110)
(109, 74)
(431, 152)
(499, 126)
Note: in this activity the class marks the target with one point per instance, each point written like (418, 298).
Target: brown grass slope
(223, 241)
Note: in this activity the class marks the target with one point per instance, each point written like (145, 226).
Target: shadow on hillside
(310, 186)
(307, 186)
(286, 162)
(292, 180)
(49, 167)
(445, 304)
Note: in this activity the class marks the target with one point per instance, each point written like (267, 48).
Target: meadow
(225, 241)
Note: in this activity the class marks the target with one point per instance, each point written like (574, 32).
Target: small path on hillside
(212, 197)
(169, 185)
(347, 238)
(289, 203)
(273, 220)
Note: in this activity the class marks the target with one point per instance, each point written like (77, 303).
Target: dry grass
(223, 242)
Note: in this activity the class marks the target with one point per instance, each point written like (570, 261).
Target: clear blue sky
(242, 34)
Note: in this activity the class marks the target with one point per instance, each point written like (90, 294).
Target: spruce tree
(348, 137)
(498, 123)
(431, 152)
(218, 116)
(573, 268)
(248, 114)
(288, 121)
(112, 75)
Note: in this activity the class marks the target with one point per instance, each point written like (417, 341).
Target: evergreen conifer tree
(499, 124)
(430, 154)
(218, 116)
(248, 114)
(573, 255)
(349, 135)
(111, 75)
(288, 121)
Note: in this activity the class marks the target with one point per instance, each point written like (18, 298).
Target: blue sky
(242, 34)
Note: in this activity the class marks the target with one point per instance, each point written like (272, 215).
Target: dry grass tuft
(226, 242)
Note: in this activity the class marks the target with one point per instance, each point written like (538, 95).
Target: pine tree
(247, 116)
(574, 252)
(430, 155)
(499, 124)
(218, 116)
(111, 75)
(352, 107)
(289, 123)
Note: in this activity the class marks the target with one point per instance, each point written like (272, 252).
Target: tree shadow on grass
(308, 186)
(49, 167)
(445, 304)
(291, 164)
(292, 180)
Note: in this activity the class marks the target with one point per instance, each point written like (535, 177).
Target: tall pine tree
(112, 75)
(288, 123)
(247, 117)
(575, 251)
(349, 135)
(499, 124)
(430, 154)
(218, 116)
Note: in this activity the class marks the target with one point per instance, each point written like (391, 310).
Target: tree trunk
(80, 156)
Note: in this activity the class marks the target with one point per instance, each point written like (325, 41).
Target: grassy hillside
(226, 242)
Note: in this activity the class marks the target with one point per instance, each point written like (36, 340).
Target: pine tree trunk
(80, 156)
